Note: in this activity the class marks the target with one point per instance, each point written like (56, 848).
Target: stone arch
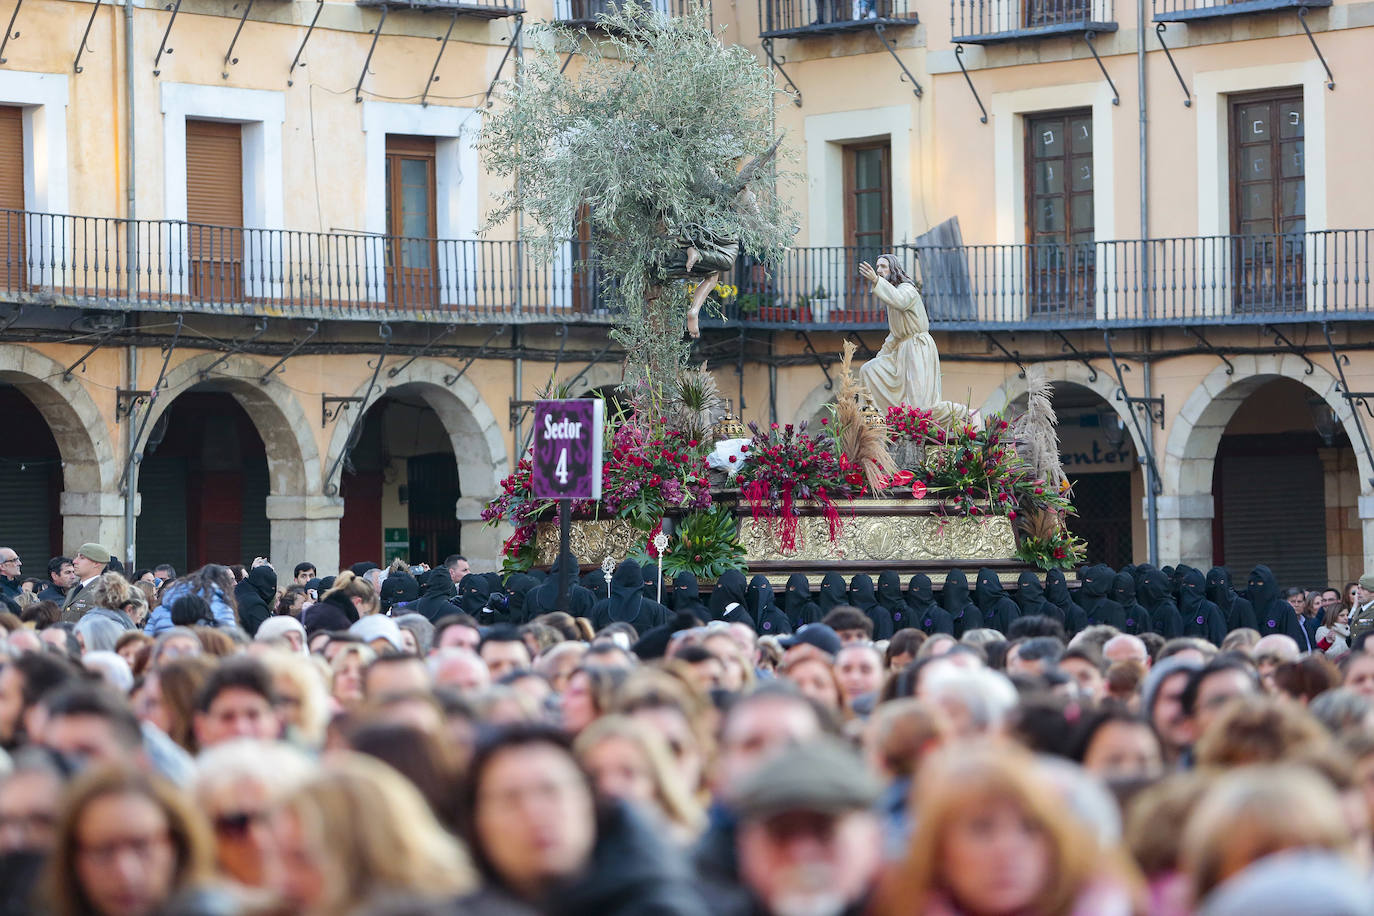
(1069, 372)
(598, 375)
(91, 507)
(815, 399)
(1195, 433)
(293, 458)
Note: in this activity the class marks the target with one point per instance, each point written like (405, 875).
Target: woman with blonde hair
(346, 686)
(339, 608)
(114, 596)
(993, 837)
(168, 697)
(302, 696)
(628, 761)
(112, 816)
(359, 833)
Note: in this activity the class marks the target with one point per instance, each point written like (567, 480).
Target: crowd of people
(406, 740)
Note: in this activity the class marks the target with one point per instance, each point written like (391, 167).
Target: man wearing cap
(813, 640)
(89, 563)
(808, 839)
(1362, 618)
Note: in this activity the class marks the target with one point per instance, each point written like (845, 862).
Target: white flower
(729, 456)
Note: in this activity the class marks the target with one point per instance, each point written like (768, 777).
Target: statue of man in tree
(664, 135)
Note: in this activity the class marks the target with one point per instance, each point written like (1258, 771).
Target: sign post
(567, 466)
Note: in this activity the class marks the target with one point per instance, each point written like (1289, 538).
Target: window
(1268, 200)
(11, 197)
(410, 220)
(214, 209)
(1059, 212)
(1041, 13)
(868, 198)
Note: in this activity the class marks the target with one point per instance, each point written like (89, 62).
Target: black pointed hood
(1030, 595)
(1263, 589)
(890, 591)
(797, 603)
(1155, 589)
(920, 594)
(955, 595)
(474, 589)
(833, 593)
(627, 592)
(988, 590)
(730, 589)
(861, 592)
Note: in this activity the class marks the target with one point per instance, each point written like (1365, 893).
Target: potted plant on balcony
(819, 303)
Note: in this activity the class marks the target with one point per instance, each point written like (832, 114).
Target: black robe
(1200, 617)
(544, 598)
(1093, 598)
(650, 573)
(890, 598)
(687, 597)
(518, 587)
(1238, 611)
(996, 609)
(1272, 613)
(797, 603)
(437, 602)
(473, 592)
(925, 613)
(256, 597)
(627, 603)
(769, 620)
(731, 589)
(955, 598)
(1030, 598)
(1154, 595)
(1137, 618)
(862, 596)
(1057, 594)
(595, 582)
(833, 593)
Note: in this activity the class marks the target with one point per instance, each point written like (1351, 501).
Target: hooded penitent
(728, 597)
(519, 586)
(1238, 611)
(1030, 598)
(544, 598)
(797, 603)
(627, 603)
(769, 620)
(924, 612)
(1123, 590)
(1093, 597)
(1200, 616)
(687, 597)
(1154, 595)
(437, 600)
(1272, 613)
(863, 597)
(833, 593)
(473, 592)
(890, 597)
(1057, 593)
(650, 573)
(595, 582)
(255, 597)
(956, 601)
(995, 608)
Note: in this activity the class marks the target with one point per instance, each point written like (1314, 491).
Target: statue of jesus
(907, 368)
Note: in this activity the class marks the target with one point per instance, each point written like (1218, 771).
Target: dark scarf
(925, 613)
(861, 593)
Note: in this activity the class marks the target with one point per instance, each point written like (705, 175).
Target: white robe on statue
(907, 368)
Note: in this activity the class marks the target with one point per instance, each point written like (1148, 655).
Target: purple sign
(567, 449)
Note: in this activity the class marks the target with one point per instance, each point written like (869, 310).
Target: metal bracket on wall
(83, 47)
(310, 332)
(482, 351)
(510, 46)
(1353, 398)
(892, 49)
(331, 487)
(777, 61)
(397, 370)
(959, 59)
(1151, 408)
(126, 480)
(162, 48)
(1160, 29)
(1206, 345)
(1280, 340)
(99, 342)
(823, 362)
(10, 33)
(237, 347)
(296, 61)
(1088, 40)
(14, 316)
(1302, 18)
(1013, 355)
(358, 89)
(331, 407)
(1068, 347)
(127, 400)
(434, 71)
(229, 58)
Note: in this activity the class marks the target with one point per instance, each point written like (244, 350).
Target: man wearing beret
(89, 563)
(1362, 615)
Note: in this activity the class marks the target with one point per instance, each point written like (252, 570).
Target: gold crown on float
(727, 427)
(873, 419)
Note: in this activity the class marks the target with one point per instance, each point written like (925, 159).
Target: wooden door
(214, 209)
(412, 275)
(13, 256)
(1268, 201)
(1061, 262)
(867, 228)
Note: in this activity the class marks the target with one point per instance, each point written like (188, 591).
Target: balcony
(585, 13)
(1193, 10)
(480, 9)
(991, 21)
(807, 18)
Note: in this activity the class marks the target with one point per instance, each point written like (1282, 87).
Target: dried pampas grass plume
(865, 445)
(1037, 442)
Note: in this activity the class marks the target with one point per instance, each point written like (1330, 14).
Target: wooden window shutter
(214, 173)
(12, 253)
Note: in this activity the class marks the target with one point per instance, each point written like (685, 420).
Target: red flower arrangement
(786, 467)
(649, 471)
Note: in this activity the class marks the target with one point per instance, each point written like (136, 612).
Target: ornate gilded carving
(590, 541)
(891, 538)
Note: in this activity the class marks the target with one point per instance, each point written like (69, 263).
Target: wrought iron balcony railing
(800, 18)
(480, 9)
(991, 21)
(1189, 10)
(586, 12)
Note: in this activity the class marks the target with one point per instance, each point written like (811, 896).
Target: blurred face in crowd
(409, 676)
(296, 872)
(304, 576)
(125, 860)
(756, 731)
(810, 861)
(707, 674)
(535, 817)
(1087, 675)
(238, 813)
(860, 670)
(1215, 692)
(461, 637)
(29, 802)
(994, 858)
(814, 679)
(462, 668)
(237, 713)
(619, 769)
(1296, 602)
(1167, 715)
(504, 656)
(1359, 675)
(850, 637)
(685, 751)
(348, 681)
(174, 647)
(1124, 750)
(728, 650)
(579, 706)
(90, 739)
(1328, 598)
(10, 564)
(458, 570)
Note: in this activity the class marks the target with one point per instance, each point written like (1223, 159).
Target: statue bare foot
(698, 300)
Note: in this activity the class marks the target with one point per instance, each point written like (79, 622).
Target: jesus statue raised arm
(907, 368)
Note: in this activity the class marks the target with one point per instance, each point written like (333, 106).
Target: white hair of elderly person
(111, 667)
(977, 700)
(98, 634)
